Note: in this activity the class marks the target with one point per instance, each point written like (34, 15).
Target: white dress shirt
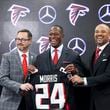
(59, 51)
(27, 56)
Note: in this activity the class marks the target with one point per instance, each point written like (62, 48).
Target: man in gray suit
(12, 75)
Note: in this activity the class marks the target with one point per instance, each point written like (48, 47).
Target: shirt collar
(20, 53)
(59, 48)
(102, 47)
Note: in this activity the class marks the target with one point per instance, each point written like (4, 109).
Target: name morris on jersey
(48, 78)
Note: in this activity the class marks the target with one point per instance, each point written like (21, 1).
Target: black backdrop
(77, 17)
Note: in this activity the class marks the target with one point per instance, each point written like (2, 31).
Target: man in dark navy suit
(66, 58)
(100, 70)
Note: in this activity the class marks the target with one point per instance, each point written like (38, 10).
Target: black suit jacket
(44, 63)
(100, 80)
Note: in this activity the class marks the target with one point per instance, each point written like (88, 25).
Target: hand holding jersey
(51, 91)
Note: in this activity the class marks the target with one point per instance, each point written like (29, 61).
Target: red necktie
(24, 65)
(97, 54)
(55, 58)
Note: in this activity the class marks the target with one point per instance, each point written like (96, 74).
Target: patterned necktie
(24, 65)
(55, 58)
(97, 54)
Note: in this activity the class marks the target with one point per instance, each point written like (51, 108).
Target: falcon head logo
(43, 44)
(17, 11)
(76, 11)
(12, 45)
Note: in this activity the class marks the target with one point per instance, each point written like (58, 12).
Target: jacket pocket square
(104, 59)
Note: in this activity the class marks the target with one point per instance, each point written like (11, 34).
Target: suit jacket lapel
(31, 58)
(104, 55)
(17, 57)
(62, 57)
(48, 59)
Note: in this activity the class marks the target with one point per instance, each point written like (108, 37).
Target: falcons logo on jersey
(76, 11)
(43, 44)
(17, 11)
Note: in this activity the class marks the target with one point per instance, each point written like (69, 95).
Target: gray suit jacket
(11, 76)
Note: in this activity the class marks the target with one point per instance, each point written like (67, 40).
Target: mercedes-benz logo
(78, 45)
(104, 13)
(47, 14)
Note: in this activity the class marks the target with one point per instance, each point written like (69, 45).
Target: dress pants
(22, 105)
(26, 102)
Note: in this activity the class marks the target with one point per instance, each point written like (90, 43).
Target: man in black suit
(100, 71)
(67, 58)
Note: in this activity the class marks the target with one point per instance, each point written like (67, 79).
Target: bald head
(106, 27)
(102, 34)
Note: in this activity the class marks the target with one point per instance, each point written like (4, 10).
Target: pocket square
(104, 59)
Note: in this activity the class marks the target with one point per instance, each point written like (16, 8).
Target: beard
(22, 47)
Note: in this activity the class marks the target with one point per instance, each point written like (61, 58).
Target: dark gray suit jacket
(100, 81)
(44, 64)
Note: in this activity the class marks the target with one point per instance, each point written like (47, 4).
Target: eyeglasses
(24, 40)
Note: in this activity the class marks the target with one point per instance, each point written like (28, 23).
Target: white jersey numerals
(58, 90)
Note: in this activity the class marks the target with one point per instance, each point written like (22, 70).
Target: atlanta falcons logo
(76, 11)
(17, 12)
(43, 44)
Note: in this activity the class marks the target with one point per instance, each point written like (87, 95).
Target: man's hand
(32, 69)
(70, 68)
(76, 79)
(26, 87)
